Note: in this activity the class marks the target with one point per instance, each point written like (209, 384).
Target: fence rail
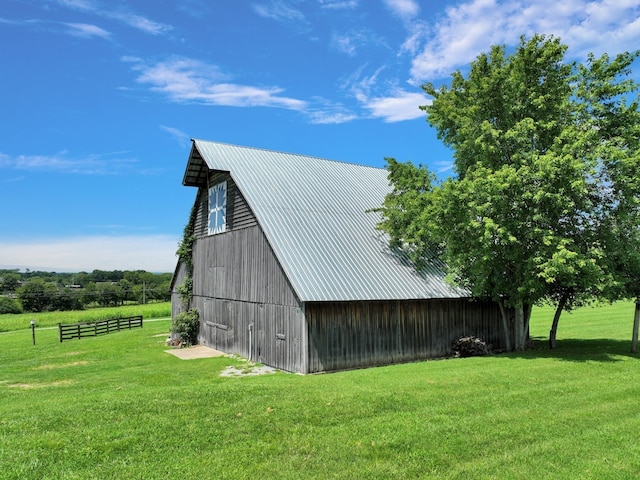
(101, 327)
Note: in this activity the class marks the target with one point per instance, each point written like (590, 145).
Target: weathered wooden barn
(290, 270)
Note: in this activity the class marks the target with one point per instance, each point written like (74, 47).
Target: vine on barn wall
(185, 255)
(185, 325)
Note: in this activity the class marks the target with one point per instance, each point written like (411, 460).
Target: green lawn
(117, 406)
(10, 322)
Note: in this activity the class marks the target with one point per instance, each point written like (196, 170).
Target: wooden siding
(238, 285)
(344, 335)
(178, 278)
(265, 333)
(240, 265)
(239, 215)
(247, 306)
(202, 215)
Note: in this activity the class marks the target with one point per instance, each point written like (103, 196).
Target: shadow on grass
(580, 350)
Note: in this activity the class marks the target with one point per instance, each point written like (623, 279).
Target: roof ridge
(280, 152)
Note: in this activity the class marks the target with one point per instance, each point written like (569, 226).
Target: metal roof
(316, 215)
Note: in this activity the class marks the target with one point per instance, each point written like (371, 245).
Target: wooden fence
(100, 327)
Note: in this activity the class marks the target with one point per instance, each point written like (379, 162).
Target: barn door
(258, 348)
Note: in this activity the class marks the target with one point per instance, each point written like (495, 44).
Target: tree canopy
(544, 200)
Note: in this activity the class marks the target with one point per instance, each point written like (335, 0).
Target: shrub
(186, 325)
(9, 305)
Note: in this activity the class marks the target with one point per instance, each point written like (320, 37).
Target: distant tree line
(38, 291)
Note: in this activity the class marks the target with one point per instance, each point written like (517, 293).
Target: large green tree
(541, 202)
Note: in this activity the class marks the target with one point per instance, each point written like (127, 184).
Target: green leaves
(546, 199)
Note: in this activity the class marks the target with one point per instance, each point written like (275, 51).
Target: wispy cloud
(384, 100)
(281, 11)
(399, 106)
(405, 9)
(471, 27)
(154, 253)
(139, 22)
(81, 30)
(85, 30)
(344, 43)
(91, 164)
(121, 15)
(339, 4)
(185, 80)
(181, 137)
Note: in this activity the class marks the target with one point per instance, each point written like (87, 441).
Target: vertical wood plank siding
(345, 335)
(238, 285)
(178, 278)
(240, 265)
(247, 306)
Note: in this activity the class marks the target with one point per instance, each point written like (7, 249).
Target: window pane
(217, 208)
(220, 221)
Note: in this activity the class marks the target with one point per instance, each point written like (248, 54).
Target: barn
(289, 269)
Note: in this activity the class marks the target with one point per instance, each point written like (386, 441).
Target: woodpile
(470, 346)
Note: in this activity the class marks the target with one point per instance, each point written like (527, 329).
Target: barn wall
(178, 278)
(345, 335)
(239, 215)
(247, 306)
(261, 332)
(240, 265)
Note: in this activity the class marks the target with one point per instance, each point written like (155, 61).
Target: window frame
(217, 208)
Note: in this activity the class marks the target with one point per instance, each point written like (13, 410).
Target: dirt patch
(26, 386)
(64, 365)
(247, 371)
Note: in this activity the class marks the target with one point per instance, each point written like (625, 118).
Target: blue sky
(99, 100)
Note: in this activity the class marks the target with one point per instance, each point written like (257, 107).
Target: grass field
(10, 322)
(117, 406)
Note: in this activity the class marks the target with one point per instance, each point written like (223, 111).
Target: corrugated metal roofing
(314, 212)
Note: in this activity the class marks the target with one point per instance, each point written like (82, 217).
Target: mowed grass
(118, 406)
(9, 322)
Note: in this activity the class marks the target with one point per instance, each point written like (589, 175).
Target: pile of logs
(471, 347)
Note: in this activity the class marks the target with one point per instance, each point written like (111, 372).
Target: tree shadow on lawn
(579, 350)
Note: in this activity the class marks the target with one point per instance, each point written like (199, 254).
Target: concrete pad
(198, 351)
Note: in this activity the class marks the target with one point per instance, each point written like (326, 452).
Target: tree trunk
(556, 319)
(520, 328)
(636, 325)
(505, 326)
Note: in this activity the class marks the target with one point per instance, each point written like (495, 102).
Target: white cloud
(128, 18)
(85, 30)
(470, 28)
(181, 137)
(344, 44)
(139, 22)
(280, 11)
(185, 80)
(91, 164)
(404, 9)
(85, 5)
(154, 253)
(399, 107)
(338, 4)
